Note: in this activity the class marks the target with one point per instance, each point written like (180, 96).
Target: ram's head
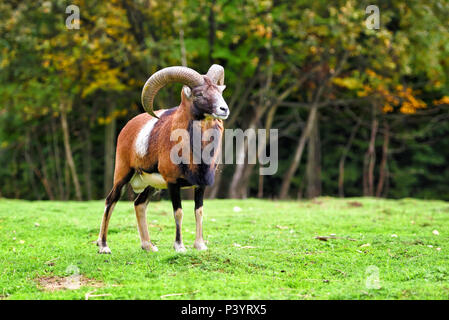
(204, 91)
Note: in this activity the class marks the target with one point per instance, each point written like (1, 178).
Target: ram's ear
(221, 88)
(186, 93)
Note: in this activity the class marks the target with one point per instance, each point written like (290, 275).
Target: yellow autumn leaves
(115, 114)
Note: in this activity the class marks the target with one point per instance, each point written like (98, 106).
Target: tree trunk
(235, 188)
(300, 194)
(211, 193)
(341, 164)
(370, 160)
(67, 183)
(43, 173)
(109, 151)
(305, 134)
(15, 174)
(87, 161)
(313, 167)
(383, 170)
(188, 194)
(31, 168)
(298, 153)
(268, 125)
(240, 179)
(243, 186)
(57, 157)
(130, 195)
(260, 187)
(68, 151)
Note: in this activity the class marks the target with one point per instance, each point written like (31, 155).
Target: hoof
(149, 247)
(104, 250)
(179, 247)
(200, 246)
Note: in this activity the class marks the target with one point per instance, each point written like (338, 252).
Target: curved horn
(161, 78)
(216, 74)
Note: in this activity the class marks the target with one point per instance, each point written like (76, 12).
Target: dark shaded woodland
(360, 112)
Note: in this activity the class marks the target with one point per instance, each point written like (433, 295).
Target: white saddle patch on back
(140, 181)
(143, 137)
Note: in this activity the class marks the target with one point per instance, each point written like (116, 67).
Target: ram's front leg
(175, 195)
(199, 241)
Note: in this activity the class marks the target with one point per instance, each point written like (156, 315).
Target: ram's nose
(221, 111)
(224, 109)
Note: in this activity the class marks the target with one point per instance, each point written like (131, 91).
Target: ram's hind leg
(111, 200)
(140, 205)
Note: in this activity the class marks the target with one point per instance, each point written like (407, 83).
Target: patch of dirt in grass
(55, 283)
(355, 204)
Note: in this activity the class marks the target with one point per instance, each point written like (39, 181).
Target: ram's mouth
(222, 116)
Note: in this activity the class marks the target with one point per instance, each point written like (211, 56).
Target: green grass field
(379, 249)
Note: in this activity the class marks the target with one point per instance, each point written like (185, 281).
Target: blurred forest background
(360, 112)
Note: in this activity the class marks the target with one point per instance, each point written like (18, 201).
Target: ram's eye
(199, 94)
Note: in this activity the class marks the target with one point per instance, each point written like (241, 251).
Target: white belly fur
(140, 181)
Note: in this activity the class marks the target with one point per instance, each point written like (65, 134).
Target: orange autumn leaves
(444, 100)
(392, 96)
(403, 98)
